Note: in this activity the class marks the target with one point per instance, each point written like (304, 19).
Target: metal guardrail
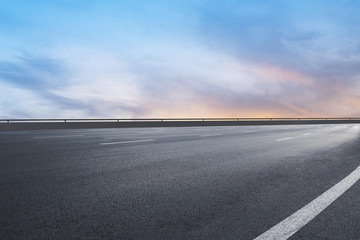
(169, 119)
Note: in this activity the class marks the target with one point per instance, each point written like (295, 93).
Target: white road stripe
(306, 134)
(135, 141)
(210, 135)
(296, 221)
(63, 136)
(283, 139)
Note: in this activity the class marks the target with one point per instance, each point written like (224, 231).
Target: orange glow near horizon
(207, 110)
(275, 74)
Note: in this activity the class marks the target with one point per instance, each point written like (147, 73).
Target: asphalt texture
(230, 182)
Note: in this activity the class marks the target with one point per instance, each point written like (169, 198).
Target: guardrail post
(118, 120)
(162, 120)
(8, 121)
(64, 120)
(203, 120)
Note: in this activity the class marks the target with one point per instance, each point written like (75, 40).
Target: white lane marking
(283, 139)
(296, 221)
(180, 135)
(135, 141)
(63, 136)
(18, 132)
(306, 134)
(210, 135)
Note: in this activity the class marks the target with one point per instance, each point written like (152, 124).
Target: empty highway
(230, 182)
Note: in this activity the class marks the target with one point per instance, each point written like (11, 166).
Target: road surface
(230, 182)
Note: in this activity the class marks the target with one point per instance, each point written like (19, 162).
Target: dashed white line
(289, 226)
(124, 142)
(283, 139)
(17, 132)
(305, 134)
(210, 135)
(62, 136)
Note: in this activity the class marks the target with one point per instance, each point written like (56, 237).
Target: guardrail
(170, 119)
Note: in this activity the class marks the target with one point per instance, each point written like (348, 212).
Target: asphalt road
(231, 182)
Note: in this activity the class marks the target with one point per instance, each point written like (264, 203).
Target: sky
(179, 58)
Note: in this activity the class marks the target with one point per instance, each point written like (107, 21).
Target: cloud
(197, 83)
(52, 83)
(308, 51)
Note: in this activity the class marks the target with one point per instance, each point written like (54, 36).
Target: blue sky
(179, 58)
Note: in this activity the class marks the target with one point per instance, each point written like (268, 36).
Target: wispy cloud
(28, 82)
